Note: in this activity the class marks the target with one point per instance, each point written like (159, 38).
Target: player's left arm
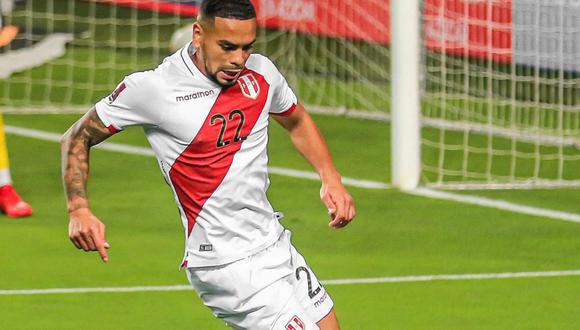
(308, 140)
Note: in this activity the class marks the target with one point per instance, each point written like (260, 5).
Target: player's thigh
(308, 290)
(329, 322)
(292, 316)
(265, 291)
(251, 292)
(273, 308)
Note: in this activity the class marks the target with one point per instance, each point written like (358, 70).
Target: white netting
(105, 43)
(502, 93)
(500, 78)
(329, 66)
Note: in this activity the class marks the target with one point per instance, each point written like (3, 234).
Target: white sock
(5, 177)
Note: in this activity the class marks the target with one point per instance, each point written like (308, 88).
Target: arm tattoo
(75, 144)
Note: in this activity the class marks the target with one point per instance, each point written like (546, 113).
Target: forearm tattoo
(76, 142)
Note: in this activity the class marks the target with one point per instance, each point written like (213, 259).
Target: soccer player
(10, 202)
(205, 111)
(7, 33)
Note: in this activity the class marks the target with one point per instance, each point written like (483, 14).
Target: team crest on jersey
(116, 93)
(295, 324)
(249, 86)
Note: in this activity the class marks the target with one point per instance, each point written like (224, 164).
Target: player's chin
(227, 83)
(225, 79)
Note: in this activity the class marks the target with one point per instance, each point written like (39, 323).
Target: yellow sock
(4, 166)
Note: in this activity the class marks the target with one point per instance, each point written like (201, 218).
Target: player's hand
(87, 232)
(339, 203)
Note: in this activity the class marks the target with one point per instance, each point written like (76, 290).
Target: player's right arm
(86, 231)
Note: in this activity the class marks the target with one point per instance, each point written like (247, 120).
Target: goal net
(500, 81)
(331, 64)
(84, 47)
(501, 98)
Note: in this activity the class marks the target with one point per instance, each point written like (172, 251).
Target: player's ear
(197, 36)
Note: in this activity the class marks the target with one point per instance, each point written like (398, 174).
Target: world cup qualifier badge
(295, 324)
(116, 93)
(249, 86)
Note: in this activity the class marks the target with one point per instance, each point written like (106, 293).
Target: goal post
(405, 89)
(485, 94)
(501, 94)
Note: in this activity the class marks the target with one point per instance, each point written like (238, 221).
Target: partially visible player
(7, 33)
(206, 111)
(10, 202)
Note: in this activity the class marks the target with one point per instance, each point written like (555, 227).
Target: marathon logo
(319, 302)
(194, 96)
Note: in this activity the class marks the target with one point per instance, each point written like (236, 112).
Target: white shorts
(272, 289)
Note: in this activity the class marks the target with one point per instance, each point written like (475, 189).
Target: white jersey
(210, 142)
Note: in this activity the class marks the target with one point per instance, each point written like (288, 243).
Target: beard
(213, 75)
(226, 71)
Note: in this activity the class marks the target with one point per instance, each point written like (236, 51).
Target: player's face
(223, 48)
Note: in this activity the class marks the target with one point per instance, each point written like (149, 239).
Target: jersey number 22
(223, 121)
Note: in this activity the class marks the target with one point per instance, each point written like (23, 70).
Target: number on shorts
(311, 293)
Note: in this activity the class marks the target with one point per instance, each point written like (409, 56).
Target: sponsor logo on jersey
(116, 93)
(249, 86)
(321, 300)
(194, 96)
(295, 324)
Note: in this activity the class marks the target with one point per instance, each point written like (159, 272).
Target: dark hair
(236, 9)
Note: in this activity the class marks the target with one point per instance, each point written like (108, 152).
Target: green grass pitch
(395, 234)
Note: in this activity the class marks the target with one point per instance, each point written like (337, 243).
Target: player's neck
(197, 59)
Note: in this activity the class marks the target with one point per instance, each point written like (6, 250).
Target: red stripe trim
(112, 129)
(162, 7)
(202, 166)
(287, 112)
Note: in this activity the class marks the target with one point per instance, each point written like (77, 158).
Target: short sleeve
(284, 100)
(130, 104)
